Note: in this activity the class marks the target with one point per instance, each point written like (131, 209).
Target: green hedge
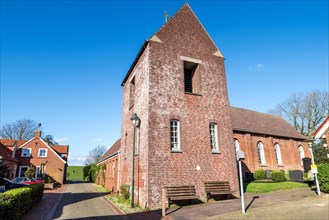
(323, 175)
(16, 202)
(278, 176)
(259, 175)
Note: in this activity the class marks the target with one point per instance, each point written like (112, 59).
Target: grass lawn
(74, 173)
(272, 186)
(123, 204)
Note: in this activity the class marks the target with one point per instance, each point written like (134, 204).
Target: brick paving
(82, 201)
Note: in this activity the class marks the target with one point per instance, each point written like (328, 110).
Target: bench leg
(208, 196)
(163, 202)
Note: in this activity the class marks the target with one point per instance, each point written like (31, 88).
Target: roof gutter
(140, 52)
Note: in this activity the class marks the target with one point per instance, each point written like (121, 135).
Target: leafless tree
(95, 155)
(20, 130)
(304, 112)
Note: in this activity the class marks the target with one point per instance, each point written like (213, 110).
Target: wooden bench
(217, 188)
(173, 193)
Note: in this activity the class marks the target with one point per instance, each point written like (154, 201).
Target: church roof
(113, 150)
(260, 123)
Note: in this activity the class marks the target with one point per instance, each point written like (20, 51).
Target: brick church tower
(177, 87)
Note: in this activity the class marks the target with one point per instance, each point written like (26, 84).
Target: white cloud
(61, 140)
(97, 139)
(76, 159)
(259, 66)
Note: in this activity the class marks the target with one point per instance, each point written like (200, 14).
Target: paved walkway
(80, 200)
(46, 208)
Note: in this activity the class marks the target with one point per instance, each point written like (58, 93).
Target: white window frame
(40, 151)
(175, 135)
(213, 137)
(261, 153)
(301, 153)
(30, 151)
(236, 144)
(20, 170)
(278, 156)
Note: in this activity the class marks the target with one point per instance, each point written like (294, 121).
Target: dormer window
(26, 152)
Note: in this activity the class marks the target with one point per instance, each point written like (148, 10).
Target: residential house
(47, 159)
(108, 175)
(323, 132)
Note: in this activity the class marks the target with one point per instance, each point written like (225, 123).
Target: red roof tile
(255, 122)
(60, 149)
(10, 143)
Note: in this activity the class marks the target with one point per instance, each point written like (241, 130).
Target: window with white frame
(301, 153)
(236, 145)
(38, 172)
(261, 153)
(174, 135)
(278, 154)
(42, 152)
(22, 170)
(26, 152)
(213, 137)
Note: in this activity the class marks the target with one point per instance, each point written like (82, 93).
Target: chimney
(37, 134)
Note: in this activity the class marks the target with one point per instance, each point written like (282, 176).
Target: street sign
(314, 168)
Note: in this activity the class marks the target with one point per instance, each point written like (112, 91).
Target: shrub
(124, 191)
(86, 171)
(323, 176)
(278, 176)
(30, 172)
(259, 175)
(16, 202)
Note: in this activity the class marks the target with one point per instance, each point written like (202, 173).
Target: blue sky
(62, 62)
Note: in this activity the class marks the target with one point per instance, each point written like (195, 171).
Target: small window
(236, 145)
(261, 154)
(132, 92)
(191, 77)
(42, 152)
(174, 135)
(213, 138)
(22, 170)
(26, 152)
(301, 153)
(278, 154)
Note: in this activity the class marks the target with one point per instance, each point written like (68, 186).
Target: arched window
(261, 154)
(236, 145)
(301, 153)
(278, 153)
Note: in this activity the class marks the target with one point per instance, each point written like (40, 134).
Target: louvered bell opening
(189, 69)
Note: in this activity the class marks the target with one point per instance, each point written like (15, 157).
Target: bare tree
(95, 155)
(20, 130)
(304, 112)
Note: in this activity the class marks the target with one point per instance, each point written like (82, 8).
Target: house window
(174, 135)
(236, 145)
(22, 170)
(42, 152)
(26, 152)
(301, 153)
(213, 138)
(191, 77)
(261, 154)
(132, 92)
(278, 154)
(38, 172)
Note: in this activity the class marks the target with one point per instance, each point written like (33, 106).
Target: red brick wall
(289, 152)
(111, 174)
(159, 83)
(54, 166)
